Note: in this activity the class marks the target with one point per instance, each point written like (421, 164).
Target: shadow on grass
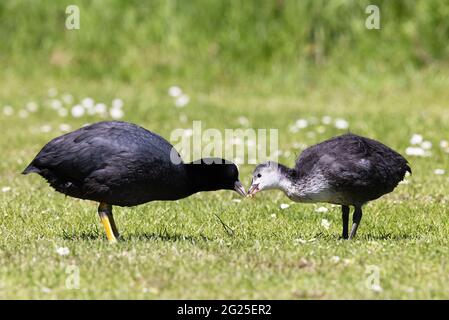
(389, 236)
(83, 236)
(167, 237)
(367, 237)
(177, 237)
(161, 236)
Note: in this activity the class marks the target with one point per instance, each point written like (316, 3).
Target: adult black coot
(348, 170)
(119, 163)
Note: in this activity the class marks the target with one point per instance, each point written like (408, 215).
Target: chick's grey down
(348, 170)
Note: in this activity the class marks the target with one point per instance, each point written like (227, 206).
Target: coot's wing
(79, 153)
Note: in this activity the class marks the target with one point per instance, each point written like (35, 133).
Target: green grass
(181, 250)
(272, 62)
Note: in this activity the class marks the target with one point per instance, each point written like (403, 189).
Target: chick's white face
(265, 176)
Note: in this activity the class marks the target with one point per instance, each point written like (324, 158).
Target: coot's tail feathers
(31, 169)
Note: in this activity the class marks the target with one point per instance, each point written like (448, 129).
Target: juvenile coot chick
(119, 163)
(347, 170)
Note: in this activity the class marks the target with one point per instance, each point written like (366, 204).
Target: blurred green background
(291, 43)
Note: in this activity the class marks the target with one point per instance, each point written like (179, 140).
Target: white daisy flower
(326, 120)
(243, 121)
(341, 124)
(325, 223)
(376, 288)
(45, 128)
(31, 106)
(55, 104)
(116, 113)
(182, 101)
(335, 259)
(301, 123)
(151, 290)
(117, 103)
(8, 111)
(77, 111)
(426, 145)
(88, 103)
(321, 209)
(439, 171)
(101, 108)
(284, 206)
(174, 91)
(64, 127)
(415, 151)
(62, 251)
(416, 139)
(6, 189)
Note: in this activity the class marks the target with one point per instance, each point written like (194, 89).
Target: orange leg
(105, 213)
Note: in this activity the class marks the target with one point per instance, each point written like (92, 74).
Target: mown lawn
(181, 249)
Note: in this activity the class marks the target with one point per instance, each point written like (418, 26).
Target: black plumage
(348, 170)
(119, 163)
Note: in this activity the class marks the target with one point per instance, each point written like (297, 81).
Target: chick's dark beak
(238, 187)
